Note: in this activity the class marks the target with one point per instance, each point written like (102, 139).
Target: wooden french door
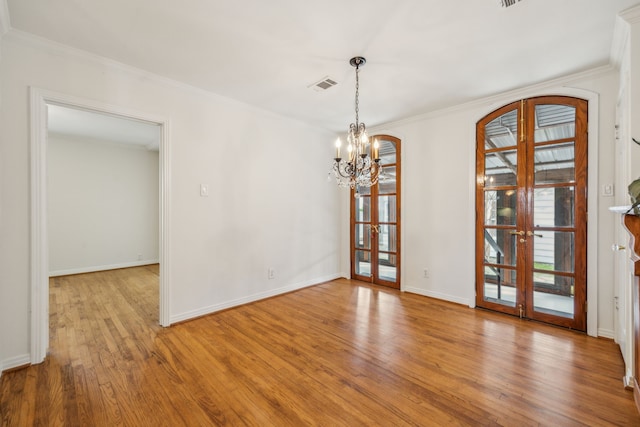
(375, 221)
(531, 210)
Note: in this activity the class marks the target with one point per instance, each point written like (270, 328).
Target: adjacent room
(347, 213)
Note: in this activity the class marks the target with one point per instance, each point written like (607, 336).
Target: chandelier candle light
(361, 168)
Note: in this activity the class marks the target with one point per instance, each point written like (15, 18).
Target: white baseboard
(627, 382)
(439, 295)
(14, 362)
(251, 298)
(102, 267)
(606, 333)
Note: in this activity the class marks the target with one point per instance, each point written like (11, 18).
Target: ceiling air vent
(323, 84)
(507, 3)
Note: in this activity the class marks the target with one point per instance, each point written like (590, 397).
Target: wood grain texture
(339, 353)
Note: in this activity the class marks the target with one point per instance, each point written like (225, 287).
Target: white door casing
(39, 328)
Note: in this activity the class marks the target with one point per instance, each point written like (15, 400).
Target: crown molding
(24, 38)
(519, 93)
(631, 15)
(5, 21)
(619, 43)
(59, 49)
(624, 20)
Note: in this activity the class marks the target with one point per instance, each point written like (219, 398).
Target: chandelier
(361, 167)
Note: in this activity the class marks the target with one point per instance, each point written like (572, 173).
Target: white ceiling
(422, 55)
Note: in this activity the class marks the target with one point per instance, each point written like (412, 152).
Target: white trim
(624, 20)
(5, 20)
(619, 43)
(607, 333)
(189, 315)
(592, 207)
(438, 295)
(631, 15)
(55, 48)
(95, 268)
(14, 362)
(497, 100)
(39, 246)
(165, 221)
(39, 243)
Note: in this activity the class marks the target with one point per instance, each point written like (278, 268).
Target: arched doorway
(375, 222)
(531, 206)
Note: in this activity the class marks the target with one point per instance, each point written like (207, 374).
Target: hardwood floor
(339, 353)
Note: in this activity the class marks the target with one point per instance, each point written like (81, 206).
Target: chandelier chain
(357, 95)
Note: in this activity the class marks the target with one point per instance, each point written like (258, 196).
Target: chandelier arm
(343, 169)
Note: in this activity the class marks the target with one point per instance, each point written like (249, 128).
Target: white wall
(270, 203)
(438, 199)
(102, 205)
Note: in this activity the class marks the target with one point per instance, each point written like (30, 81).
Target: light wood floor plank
(337, 354)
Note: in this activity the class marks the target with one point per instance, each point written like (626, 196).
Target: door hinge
(586, 306)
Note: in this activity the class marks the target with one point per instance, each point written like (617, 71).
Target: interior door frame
(623, 275)
(39, 255)
(593, 99)
(375, 250)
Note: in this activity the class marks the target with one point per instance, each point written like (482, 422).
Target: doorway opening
(375, 221)
(40, 101)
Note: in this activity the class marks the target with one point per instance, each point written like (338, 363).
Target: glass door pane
(361, 235)
(498, 238)
(546, 301)
(554, 122)
(500, 285)
(363, 263)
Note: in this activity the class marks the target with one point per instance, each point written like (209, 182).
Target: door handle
(519, 233)
(531, 233)
(375, 229)
(615, 247)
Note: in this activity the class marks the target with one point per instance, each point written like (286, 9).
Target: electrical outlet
(426, 273)
(139, 257)
(271, 273)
